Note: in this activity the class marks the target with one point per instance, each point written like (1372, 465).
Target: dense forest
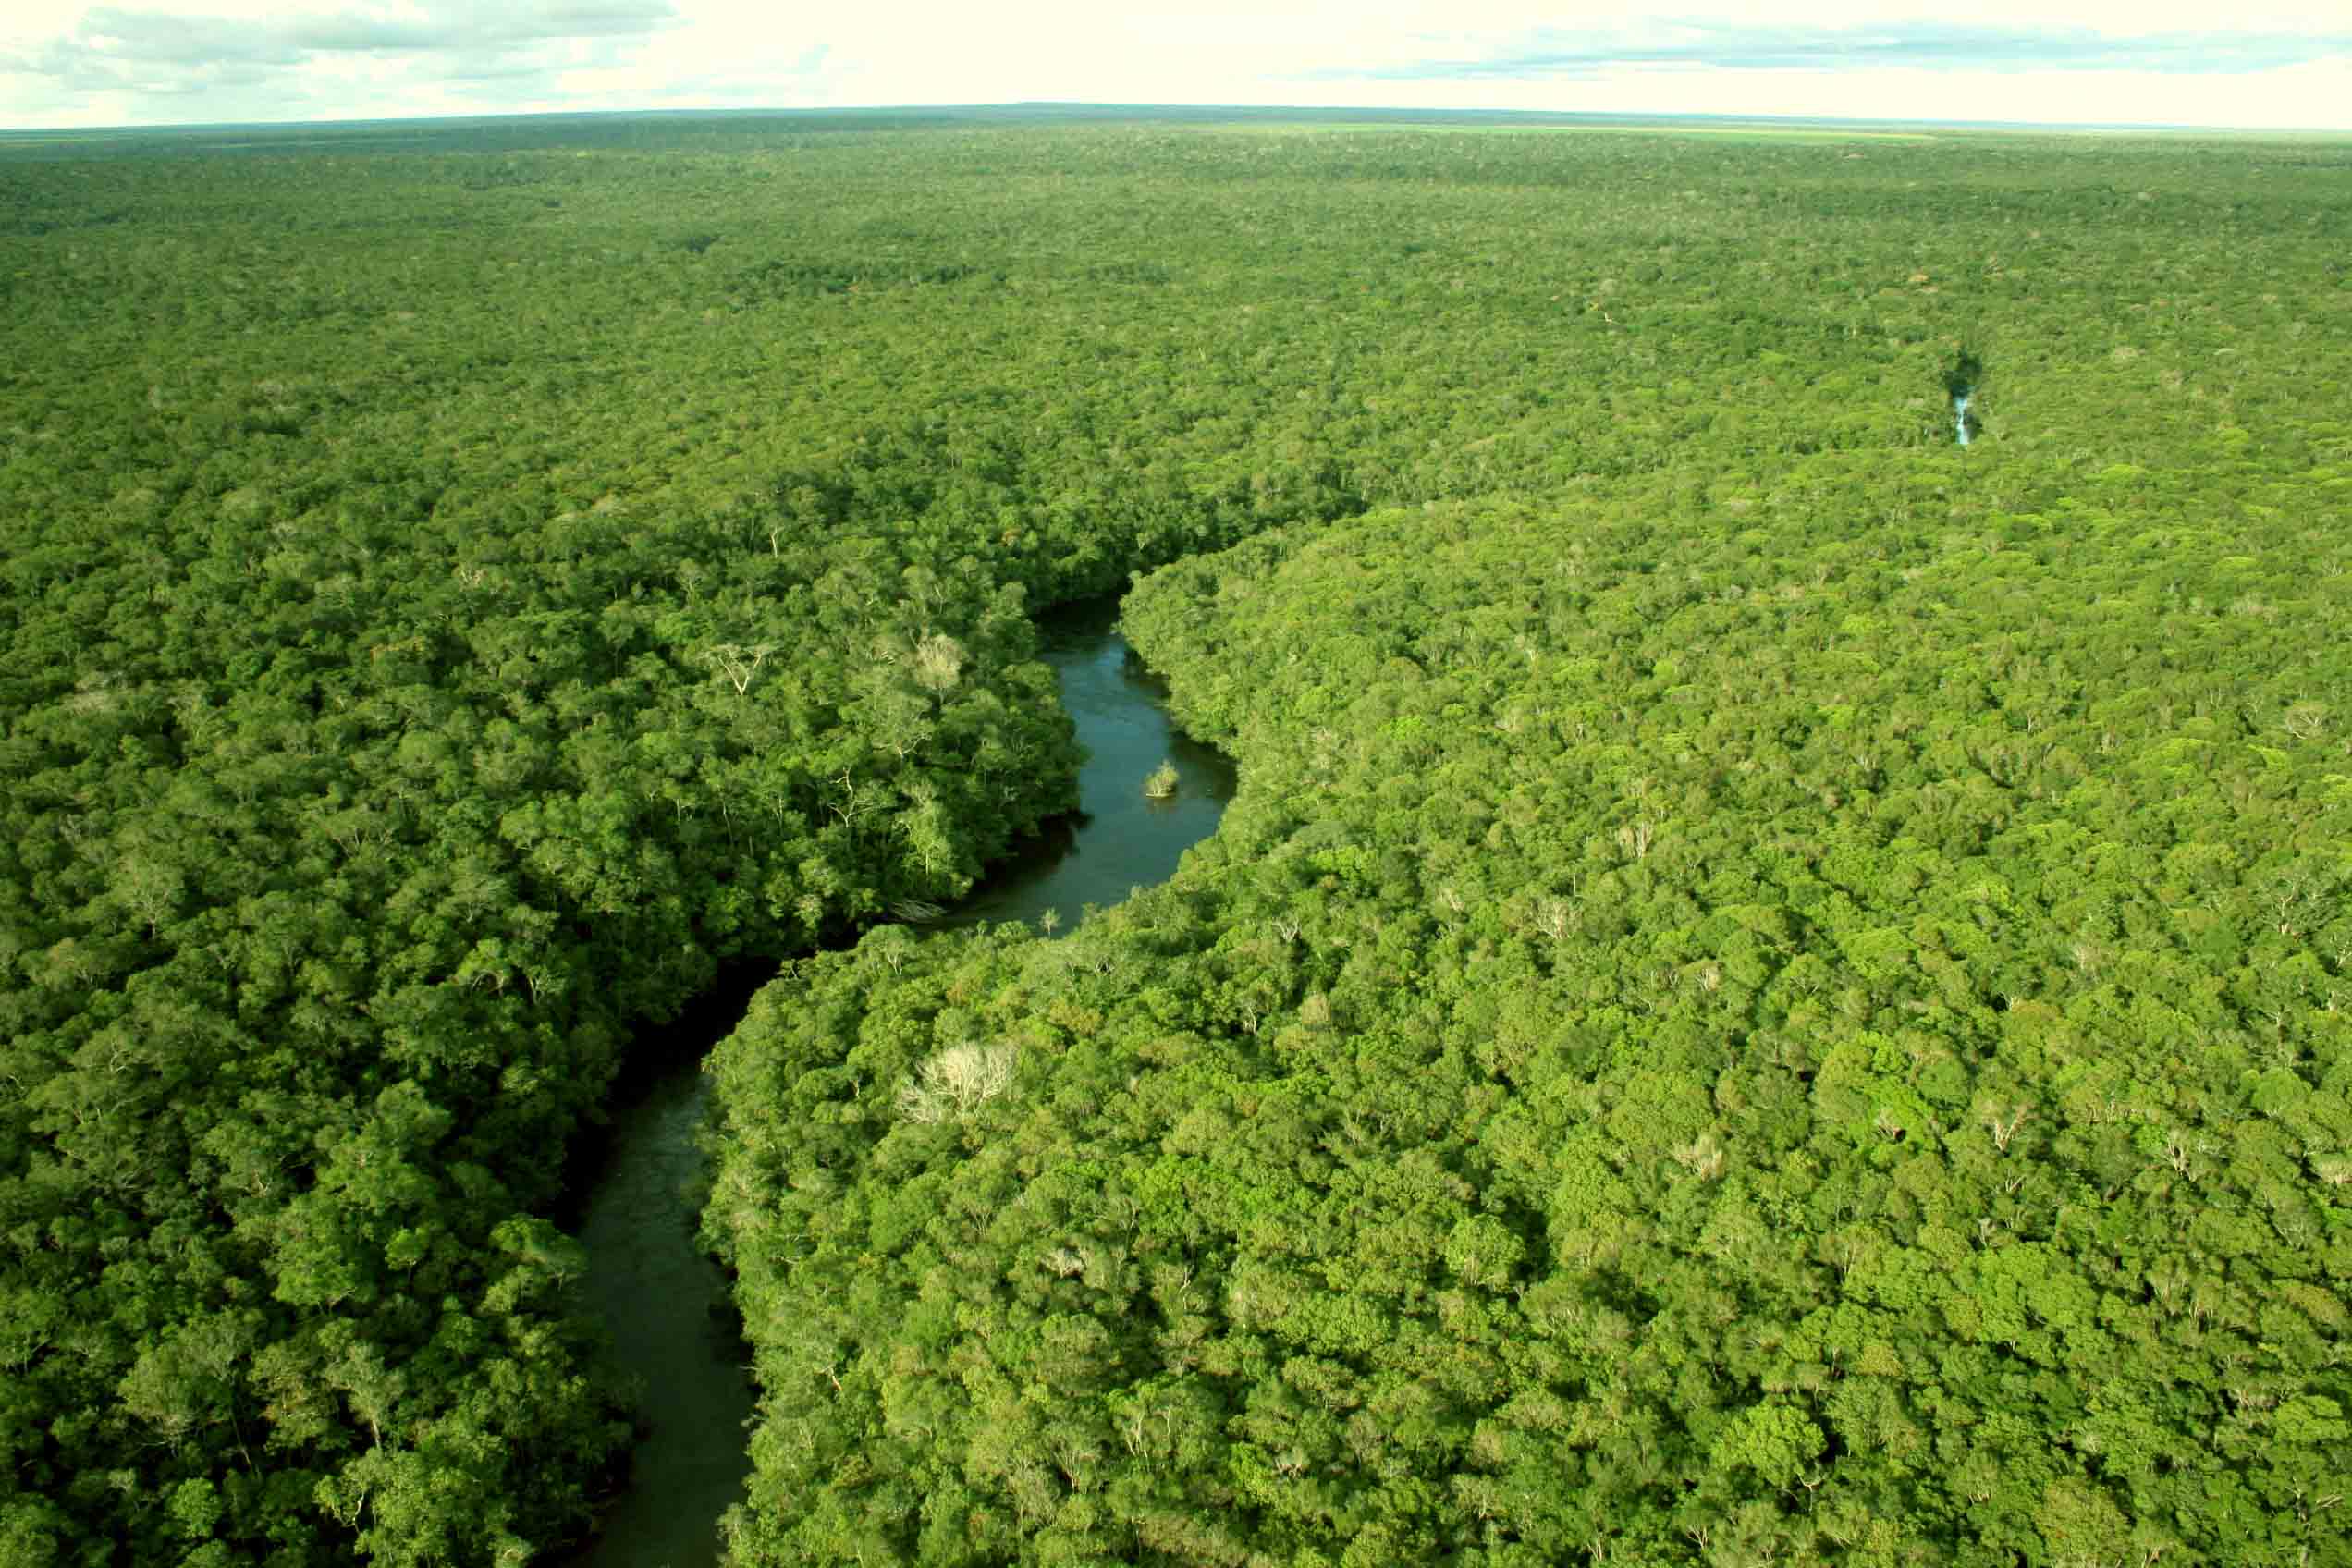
(1776, 988)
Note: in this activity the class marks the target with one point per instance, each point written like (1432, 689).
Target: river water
(1122, 839)
(672, 1322)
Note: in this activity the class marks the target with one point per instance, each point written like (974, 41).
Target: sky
(181, 62)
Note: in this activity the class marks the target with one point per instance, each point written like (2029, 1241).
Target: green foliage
(1773, 988)
(1761, 999)
(1776, 1441)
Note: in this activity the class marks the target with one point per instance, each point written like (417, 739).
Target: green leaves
(1777, 1442)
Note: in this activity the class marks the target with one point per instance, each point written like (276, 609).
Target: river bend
(672, 1321)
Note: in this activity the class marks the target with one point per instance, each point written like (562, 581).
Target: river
(672, 1322)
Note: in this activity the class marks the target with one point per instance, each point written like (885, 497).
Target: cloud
(121, 62)
(277, 61)
(1918, 45)
(117, 32)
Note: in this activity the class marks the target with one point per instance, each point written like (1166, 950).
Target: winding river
(667, 1305)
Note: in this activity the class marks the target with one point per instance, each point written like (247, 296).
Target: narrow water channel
(1122, 839)
(1962, 380)
(666, 1303)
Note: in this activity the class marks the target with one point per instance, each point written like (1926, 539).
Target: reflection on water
(666, 1303)
(672, 1321)
(1124, 840)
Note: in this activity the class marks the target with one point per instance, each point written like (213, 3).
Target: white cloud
(165, 61)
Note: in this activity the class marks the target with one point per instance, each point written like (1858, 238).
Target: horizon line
(1113, 109)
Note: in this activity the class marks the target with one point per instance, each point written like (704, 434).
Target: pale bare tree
(938, 662)
(957, 1082)
(736, 663)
